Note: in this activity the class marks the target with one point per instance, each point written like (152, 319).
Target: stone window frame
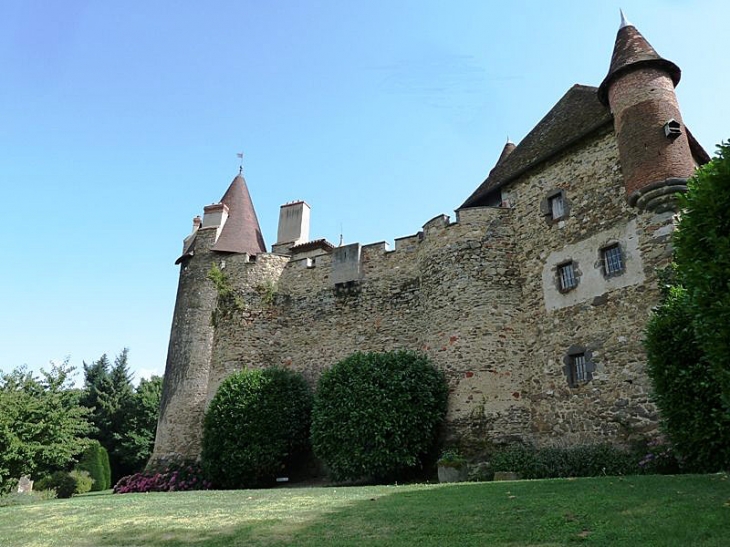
(571, 359)
(602, 259)
(546, 205)
(576, 275)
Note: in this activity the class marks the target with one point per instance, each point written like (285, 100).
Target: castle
(533, 300)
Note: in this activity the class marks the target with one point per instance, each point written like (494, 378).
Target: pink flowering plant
(660, 458)
(170, 478)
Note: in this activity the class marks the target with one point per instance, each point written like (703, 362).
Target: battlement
(356, 262)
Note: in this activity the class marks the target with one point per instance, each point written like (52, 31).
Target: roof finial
(624, 22)
(240, 163)
(342, 238)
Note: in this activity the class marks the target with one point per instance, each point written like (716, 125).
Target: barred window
(578, 365)
(566, 276)
(613, 262)
(578, 372)
(557, 206)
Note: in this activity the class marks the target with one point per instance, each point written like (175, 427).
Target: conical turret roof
(241, 233)
(632, 51)
(506, 151)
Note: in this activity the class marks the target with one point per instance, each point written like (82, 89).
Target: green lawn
(684, 510)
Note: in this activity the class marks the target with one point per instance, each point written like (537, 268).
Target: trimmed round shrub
(62, 482)
(377, 416)
(83, 481)
(95, 461)
(256, 427)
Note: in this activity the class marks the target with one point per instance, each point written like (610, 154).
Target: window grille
(567, 276)
(579, 368)
(612, 261)
(557, 206)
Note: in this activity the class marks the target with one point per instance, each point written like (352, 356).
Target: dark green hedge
(688, 338)
(256, 426)
(95, 460)
(65, 483)
(555, 462)
(377, 415)
(685, 387)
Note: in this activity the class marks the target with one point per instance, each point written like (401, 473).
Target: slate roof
(577, 114)
(632, 51)
(241, 233)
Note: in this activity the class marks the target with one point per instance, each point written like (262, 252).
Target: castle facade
(532, 300)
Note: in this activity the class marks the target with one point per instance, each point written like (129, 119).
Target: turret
(654, 149)
(227, 227)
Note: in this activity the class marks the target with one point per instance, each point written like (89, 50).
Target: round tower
(654, 149)
(228, 227)
(185, 385)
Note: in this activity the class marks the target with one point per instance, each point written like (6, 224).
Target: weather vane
(240, 163)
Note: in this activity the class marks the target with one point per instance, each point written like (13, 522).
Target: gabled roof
(576, 115)
(241, 232)
(631, 51)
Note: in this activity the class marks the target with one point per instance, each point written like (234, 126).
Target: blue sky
(119, 121)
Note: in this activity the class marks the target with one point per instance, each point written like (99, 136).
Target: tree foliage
(257, 425)
(377, 415)
(136, 440)
(124, 418)
(42, 425)
(688, 337)
(702, 257)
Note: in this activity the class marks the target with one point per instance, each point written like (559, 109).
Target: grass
(642, 510)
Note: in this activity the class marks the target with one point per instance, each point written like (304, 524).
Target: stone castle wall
(604, 316)
(450, 293)
(480, 297)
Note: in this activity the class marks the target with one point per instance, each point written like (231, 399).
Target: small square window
(578, 371)
(567, 277)
(613, 262)
(557, 206)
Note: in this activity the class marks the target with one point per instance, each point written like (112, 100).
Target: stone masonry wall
(450, 292)
(185, 390)
(608, 321)
(479, 297)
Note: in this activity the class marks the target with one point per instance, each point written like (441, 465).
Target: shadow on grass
(687, 510)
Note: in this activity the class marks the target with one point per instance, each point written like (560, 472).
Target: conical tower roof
(506, 151)
(241, 232)
(632, 51)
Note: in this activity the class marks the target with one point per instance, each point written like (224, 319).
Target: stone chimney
(293, 226)
(215, 216)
